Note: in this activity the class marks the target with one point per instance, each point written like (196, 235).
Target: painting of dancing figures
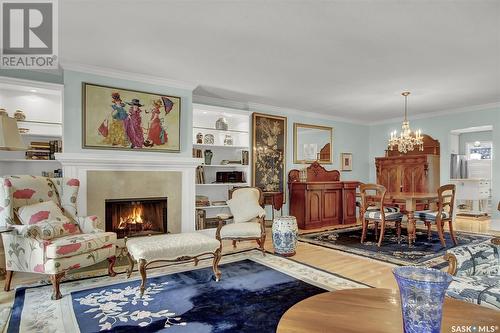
(123, 119)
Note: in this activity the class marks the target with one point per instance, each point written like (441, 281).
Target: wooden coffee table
(372, 310)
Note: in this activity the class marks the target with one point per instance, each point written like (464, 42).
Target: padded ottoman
(172, 248)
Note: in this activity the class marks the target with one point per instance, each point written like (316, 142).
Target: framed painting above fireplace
(122, 119)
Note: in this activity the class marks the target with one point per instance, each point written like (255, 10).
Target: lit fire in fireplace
(135, 220)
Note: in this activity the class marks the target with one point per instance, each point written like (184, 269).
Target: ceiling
(349, 59)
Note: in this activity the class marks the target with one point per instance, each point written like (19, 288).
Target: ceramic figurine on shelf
(244, 157)
(3, 112)
(19, 115)
(221, 124)
(209, 139)
(208, 156)
(199, 138)
(228, 140)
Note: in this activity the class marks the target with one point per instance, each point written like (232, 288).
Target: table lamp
(10, 139)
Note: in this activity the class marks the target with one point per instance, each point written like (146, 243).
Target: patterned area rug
(252, 295)
(423, 252)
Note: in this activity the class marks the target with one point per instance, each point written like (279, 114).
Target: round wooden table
(373, 310)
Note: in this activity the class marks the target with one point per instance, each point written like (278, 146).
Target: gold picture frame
(124, 119)
(269, 139)
(346, 161)
(312, 143)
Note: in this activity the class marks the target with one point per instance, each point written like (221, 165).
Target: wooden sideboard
(322, 200)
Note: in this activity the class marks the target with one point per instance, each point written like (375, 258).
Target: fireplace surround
(133, 217)
(79, 165)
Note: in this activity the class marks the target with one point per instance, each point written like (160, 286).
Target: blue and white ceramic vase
(285, 232)
(422, 293)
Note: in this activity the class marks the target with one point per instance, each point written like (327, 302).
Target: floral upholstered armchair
(47, 235)
(476, 273)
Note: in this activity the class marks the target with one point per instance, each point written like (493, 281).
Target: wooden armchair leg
(234, 244)
(398, 231)
(215, 264)
(363, 233)
(382, 231)
(429, 232)
(111, 265)
(56, 282)
(261, 242)
(452, 233)
(8, 280)
(439, 227)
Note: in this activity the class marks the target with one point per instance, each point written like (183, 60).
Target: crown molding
(131, 76)
(43, 87)
(259, 107)
(278, 109)
(438, 113)
(219, 102)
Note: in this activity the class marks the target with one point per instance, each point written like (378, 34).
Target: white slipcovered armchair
(42, 243)
(248, 215)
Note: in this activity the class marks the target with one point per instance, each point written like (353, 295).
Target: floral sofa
(53, 246)
(476, 273)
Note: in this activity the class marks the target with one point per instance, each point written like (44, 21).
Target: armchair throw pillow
(41, 212)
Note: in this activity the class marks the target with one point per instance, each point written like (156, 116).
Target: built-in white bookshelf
(204, 122)
(42, 105)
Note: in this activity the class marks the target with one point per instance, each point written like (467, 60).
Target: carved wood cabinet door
(414, 178)
(332, 206)
(314, 207)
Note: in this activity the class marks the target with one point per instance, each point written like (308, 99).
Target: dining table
(410, 201)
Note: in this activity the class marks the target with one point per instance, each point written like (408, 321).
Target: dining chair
(443, 214)
(376, 212)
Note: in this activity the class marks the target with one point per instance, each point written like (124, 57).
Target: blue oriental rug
(253, 294)
(423, 252)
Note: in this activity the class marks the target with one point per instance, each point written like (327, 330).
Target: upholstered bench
(172, 248)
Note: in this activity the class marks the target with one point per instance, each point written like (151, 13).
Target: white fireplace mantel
(76, 165)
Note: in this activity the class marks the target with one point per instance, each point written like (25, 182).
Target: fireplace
(136, 217)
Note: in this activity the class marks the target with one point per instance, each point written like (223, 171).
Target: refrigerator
(458, 167)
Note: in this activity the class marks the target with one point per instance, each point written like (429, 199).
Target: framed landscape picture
(121, 119)
(346, 160)
(269, 152)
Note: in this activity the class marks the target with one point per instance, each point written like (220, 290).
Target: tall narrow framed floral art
(122, 119)
(269, 152)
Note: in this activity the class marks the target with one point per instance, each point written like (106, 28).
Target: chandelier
(407, 140)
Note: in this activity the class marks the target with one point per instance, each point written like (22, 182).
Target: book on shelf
(43, 150)
(200, 175)
(219, 203)
(197, 153)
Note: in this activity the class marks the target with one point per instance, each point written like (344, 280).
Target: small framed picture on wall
(346, 160)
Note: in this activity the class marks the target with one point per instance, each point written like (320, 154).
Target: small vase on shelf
(422, 293)
(228, 140)
(208, 156)
(19, 115)
(199, 138)
(221, 124)
(209, 139)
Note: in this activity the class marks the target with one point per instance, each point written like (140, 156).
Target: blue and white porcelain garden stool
(285, 233)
